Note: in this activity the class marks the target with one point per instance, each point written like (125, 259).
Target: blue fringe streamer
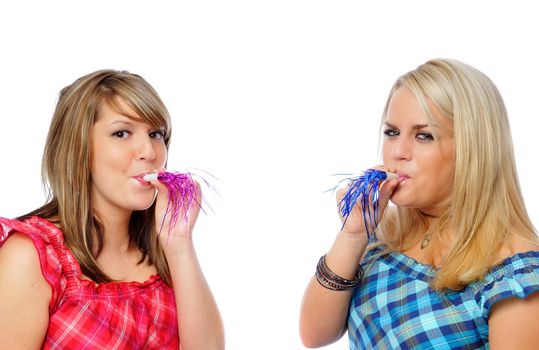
(360, 189)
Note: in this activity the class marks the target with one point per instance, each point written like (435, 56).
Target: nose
(401, 149)
(144, 148)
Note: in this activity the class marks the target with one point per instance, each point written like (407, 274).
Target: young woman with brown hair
(88, 269)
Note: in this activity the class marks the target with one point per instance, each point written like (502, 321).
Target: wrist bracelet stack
(332, 281)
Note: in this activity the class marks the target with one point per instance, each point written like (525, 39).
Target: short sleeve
(517, 276)
(47, 243)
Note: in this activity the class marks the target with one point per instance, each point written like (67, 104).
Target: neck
(433, 235)
(115, 231)
(431, 217)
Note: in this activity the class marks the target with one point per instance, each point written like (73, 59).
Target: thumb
(162, 190)
(386, 191)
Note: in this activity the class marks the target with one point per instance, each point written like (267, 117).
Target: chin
(141, 203)
(139, 208)
(143, 206)
(403, 201)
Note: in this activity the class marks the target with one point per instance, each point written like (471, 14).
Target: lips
(140, 178)
(402, 176)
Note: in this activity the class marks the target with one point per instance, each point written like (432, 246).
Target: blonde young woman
(88, 270)
(456, 265)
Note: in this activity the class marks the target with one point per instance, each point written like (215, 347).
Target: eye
(157, 134)
(121, 134)
(424, 136)
(391, 132)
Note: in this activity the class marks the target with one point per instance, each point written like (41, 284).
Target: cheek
(161, 154)
(385, 152)
(107, 158)
(447, 166)
(441, 178)
(446, 178)
(432, 159)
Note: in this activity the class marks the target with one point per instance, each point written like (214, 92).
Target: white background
(272, 97)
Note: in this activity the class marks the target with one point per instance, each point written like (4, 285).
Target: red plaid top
(86, 315)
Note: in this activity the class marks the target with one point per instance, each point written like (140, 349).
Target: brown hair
(66, 166)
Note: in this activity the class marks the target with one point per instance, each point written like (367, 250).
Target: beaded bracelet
(332, 281)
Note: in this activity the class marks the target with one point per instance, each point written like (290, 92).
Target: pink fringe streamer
(182, 195)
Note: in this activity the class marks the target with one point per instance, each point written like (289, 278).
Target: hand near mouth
(177, 204)
(364, 200)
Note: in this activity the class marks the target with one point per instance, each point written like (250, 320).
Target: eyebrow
(126, 120)
(416, 127)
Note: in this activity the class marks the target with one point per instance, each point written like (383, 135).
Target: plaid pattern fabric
(86, 315)
(394, 308)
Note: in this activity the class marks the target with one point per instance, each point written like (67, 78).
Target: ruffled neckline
(427, 272)
(73, 271)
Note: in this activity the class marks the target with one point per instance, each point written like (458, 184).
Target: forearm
(324, 312)
(199, 322)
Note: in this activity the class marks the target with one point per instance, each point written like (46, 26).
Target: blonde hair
(67, 163)
(486, 206)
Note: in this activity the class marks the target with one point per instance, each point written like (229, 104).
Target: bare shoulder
(19, 249)
(517, 244)
(20, 266)
(505, 333)
(24, 295)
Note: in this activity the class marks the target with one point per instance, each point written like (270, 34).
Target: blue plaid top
(394, 307)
